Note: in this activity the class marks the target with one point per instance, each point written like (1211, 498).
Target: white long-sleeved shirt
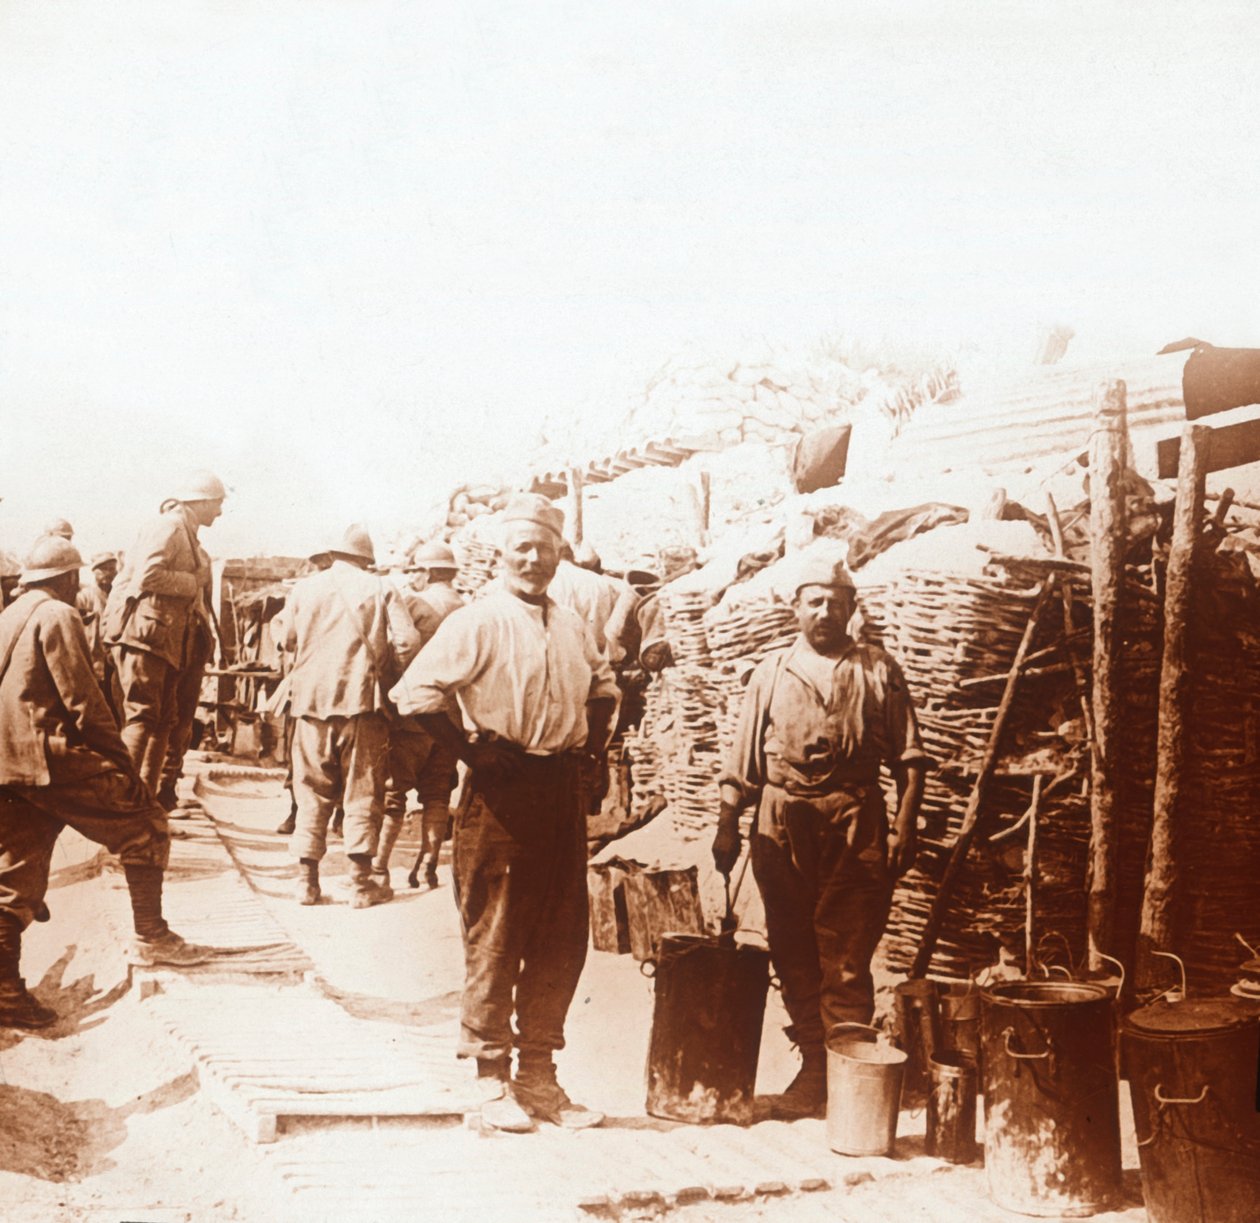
(520, 671)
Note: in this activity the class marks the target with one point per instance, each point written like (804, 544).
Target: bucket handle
(1162, 1099)
(1111, 959)
(1168, 955)
(644, 965)
(1047, 1052)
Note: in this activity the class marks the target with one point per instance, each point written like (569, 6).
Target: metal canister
(1051, 1097)
(1194, 1074)
(706, 1029)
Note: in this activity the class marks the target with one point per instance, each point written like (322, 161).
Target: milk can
(1051, 1097)
(1194, 1075)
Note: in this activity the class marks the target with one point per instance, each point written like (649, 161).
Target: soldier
(348, 636)
(818, 720)
(538, 699)
(63, 764)
(91, 604)
(157, 623)
(415, 760)
(61, 529)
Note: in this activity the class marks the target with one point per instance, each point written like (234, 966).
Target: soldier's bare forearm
(599, 716)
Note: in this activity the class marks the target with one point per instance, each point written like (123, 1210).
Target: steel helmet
(199, 486)
(59, 526)
(355, 542)
(104, 558)
(50, 558)
(434, 555)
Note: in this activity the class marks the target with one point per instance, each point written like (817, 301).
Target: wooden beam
(971, 822)
(1224, 447)
(1108, 528)
(1159, 900)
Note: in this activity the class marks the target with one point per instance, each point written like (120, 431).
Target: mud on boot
(806, 1095)
(308, 892)
(366, 891)
(19, 1008)
(168, 950)
(543, 1098)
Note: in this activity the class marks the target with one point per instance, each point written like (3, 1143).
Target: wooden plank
(1224, 447)
(1108, 524)
(1159, 901)
(1218, 379)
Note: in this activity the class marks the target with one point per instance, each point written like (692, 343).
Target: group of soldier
(392, 688)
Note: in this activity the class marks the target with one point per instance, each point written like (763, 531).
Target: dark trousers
(150, 703)
(520, 883)
(187, 698)
(109, 808)
(821, 866)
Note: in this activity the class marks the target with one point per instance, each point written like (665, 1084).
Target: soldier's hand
(903, 846)
(492, 761)
(726, 843)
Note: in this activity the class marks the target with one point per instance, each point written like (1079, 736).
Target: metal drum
(1051, 1097)
(706, 1029)
(1194, 1075)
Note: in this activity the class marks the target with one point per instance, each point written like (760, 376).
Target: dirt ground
(106, 1117)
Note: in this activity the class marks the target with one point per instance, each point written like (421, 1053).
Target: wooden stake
(1159, 901)
(1108, 526)
(971, 817)
(575, 493)
(1030, 882)
(706, 504)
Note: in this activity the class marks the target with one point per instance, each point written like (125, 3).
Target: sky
(351, 253)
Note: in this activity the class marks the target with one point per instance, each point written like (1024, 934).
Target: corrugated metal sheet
(1042, 420)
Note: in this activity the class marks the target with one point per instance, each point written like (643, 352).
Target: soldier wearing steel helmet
(157, 624)
(818, 720)
(349, 637)
(63, 764)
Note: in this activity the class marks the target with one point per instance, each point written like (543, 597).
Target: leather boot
(806, 1095)
(541, 1096)
(308, 887)
(18, 1007)
(366, 891)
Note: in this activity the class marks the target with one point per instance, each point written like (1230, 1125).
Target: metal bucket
(951, 1108)
(960, 1017)
(1194, 1076)
(706, 1029)
(863, 1091)
(1051, 1097)
(918, 1029)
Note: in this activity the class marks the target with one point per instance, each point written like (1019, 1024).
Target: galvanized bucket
(1194, 1075)
(864, 1077)
(1051, 1097)
(706, 1029)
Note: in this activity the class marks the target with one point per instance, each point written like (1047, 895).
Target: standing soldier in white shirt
(537, 699)
(348, 636)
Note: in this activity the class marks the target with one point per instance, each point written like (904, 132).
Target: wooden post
(575, 492)
(1159, 901)
(1108, 527)
(706, 504)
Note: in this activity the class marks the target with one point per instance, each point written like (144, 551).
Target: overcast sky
(349, 252)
